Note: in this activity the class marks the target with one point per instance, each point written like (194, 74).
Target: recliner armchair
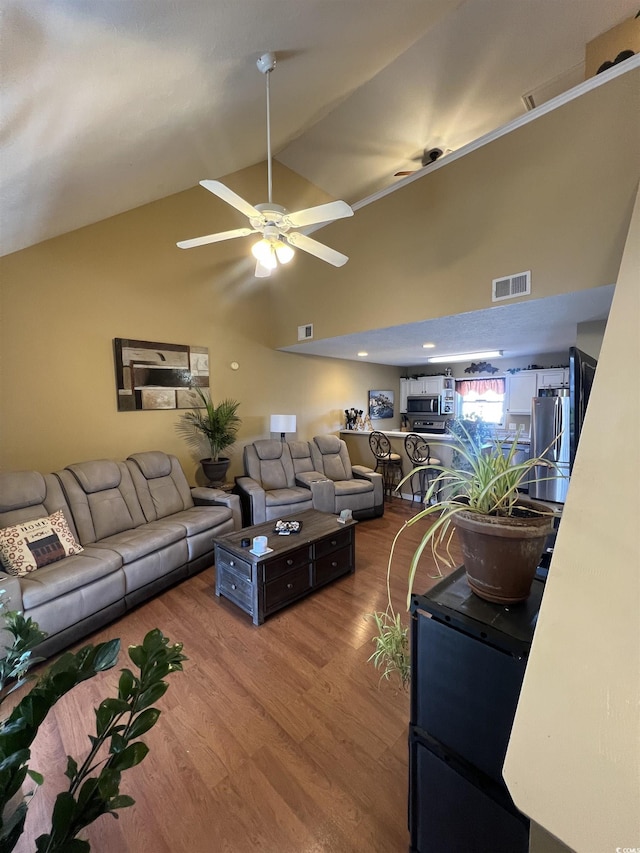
(345, 486)
(269, 489)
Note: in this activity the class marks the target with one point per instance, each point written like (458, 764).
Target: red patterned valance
(479, 386)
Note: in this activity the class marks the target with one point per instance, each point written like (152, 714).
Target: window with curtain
(482, 398)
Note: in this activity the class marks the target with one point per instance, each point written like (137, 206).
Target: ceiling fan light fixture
(284, 252)
(263, 252)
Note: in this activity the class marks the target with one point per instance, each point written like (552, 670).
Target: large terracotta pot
(215, 472)
(501, 554)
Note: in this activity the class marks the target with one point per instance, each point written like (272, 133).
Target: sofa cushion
(137, 543)
(268, 448)
(301, 456)
(96, 476)
(21, 489)
(33, 544)
(76, 572)
(153, 463)
(332, 457)
(282, 497)
(160, 484)
(100, 508)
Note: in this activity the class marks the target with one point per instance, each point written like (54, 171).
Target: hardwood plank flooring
(278, 738)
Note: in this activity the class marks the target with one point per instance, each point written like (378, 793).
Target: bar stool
(417, 449)
(388, 463)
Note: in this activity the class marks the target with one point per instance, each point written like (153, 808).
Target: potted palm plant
(218, 425)
(501, 535)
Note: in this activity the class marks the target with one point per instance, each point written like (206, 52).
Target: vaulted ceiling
(109, 105)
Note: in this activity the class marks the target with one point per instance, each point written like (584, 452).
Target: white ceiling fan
(274, 223)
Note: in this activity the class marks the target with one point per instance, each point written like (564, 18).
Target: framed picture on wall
(380, 404)
(152, 375)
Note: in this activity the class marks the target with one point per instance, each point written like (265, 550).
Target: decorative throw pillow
(32, 544)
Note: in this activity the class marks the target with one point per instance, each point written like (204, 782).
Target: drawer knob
(289, 562)
(231, 563)
(334, 564)
(289, 586)
(233, 586)
(333, 542)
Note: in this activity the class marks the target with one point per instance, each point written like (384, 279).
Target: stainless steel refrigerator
(550, 439)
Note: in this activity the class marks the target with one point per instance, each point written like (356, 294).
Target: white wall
(573, 763)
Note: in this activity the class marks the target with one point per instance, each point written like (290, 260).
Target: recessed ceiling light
(466, 356)
(362, 354)
(428, 346)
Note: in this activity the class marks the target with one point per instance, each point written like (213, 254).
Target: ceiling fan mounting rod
(266, 63)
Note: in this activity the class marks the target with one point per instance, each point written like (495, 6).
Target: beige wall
(573, 762)
(554, 196)
(63, 302)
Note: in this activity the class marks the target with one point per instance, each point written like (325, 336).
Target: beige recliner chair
(346, 486)
(269, 489)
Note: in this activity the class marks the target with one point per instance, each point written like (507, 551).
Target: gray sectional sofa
(141, 527)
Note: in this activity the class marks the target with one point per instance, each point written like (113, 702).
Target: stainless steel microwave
(424, 404)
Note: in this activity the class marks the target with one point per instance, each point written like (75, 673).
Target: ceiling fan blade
(215, 238)
(231, 198)
(307, 244)
(320, 213)
(262, 271)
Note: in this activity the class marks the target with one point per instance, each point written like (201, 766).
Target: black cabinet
(468, 658)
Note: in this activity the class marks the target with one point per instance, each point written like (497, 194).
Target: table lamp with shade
(283, 424)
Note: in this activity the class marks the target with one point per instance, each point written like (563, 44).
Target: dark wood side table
(297, 564)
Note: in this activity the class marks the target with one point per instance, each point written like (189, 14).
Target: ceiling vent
(305, 333)
(511, 286)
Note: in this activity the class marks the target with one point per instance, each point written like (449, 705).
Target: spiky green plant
(487, 484)
(219, 424)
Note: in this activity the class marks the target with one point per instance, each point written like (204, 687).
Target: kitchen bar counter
(358, 445)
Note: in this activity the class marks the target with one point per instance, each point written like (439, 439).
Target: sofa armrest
(363, 473)
(305, 478)
(324, 495)
(253, 499)
(203, 496)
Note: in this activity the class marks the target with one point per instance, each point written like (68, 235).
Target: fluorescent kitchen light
(362, 354)
(428, 346)
(466, 356)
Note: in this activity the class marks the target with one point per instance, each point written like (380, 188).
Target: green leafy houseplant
(94, 785)
(218, 425)
(483, 487)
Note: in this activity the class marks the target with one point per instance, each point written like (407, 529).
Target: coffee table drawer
(333, 565)
(235, 587)
(286, 588)
(332, 543)
(228, 561)
(272, 569)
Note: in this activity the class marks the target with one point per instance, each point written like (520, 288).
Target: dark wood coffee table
(299, 563)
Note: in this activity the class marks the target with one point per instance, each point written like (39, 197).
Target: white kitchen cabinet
(521, 389)
(425, 385)
(404, 392)
(553, 377)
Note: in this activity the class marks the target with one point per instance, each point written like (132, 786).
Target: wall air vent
(305, 333)
(511, 286)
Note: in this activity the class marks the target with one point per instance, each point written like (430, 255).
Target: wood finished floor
(276, 738)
